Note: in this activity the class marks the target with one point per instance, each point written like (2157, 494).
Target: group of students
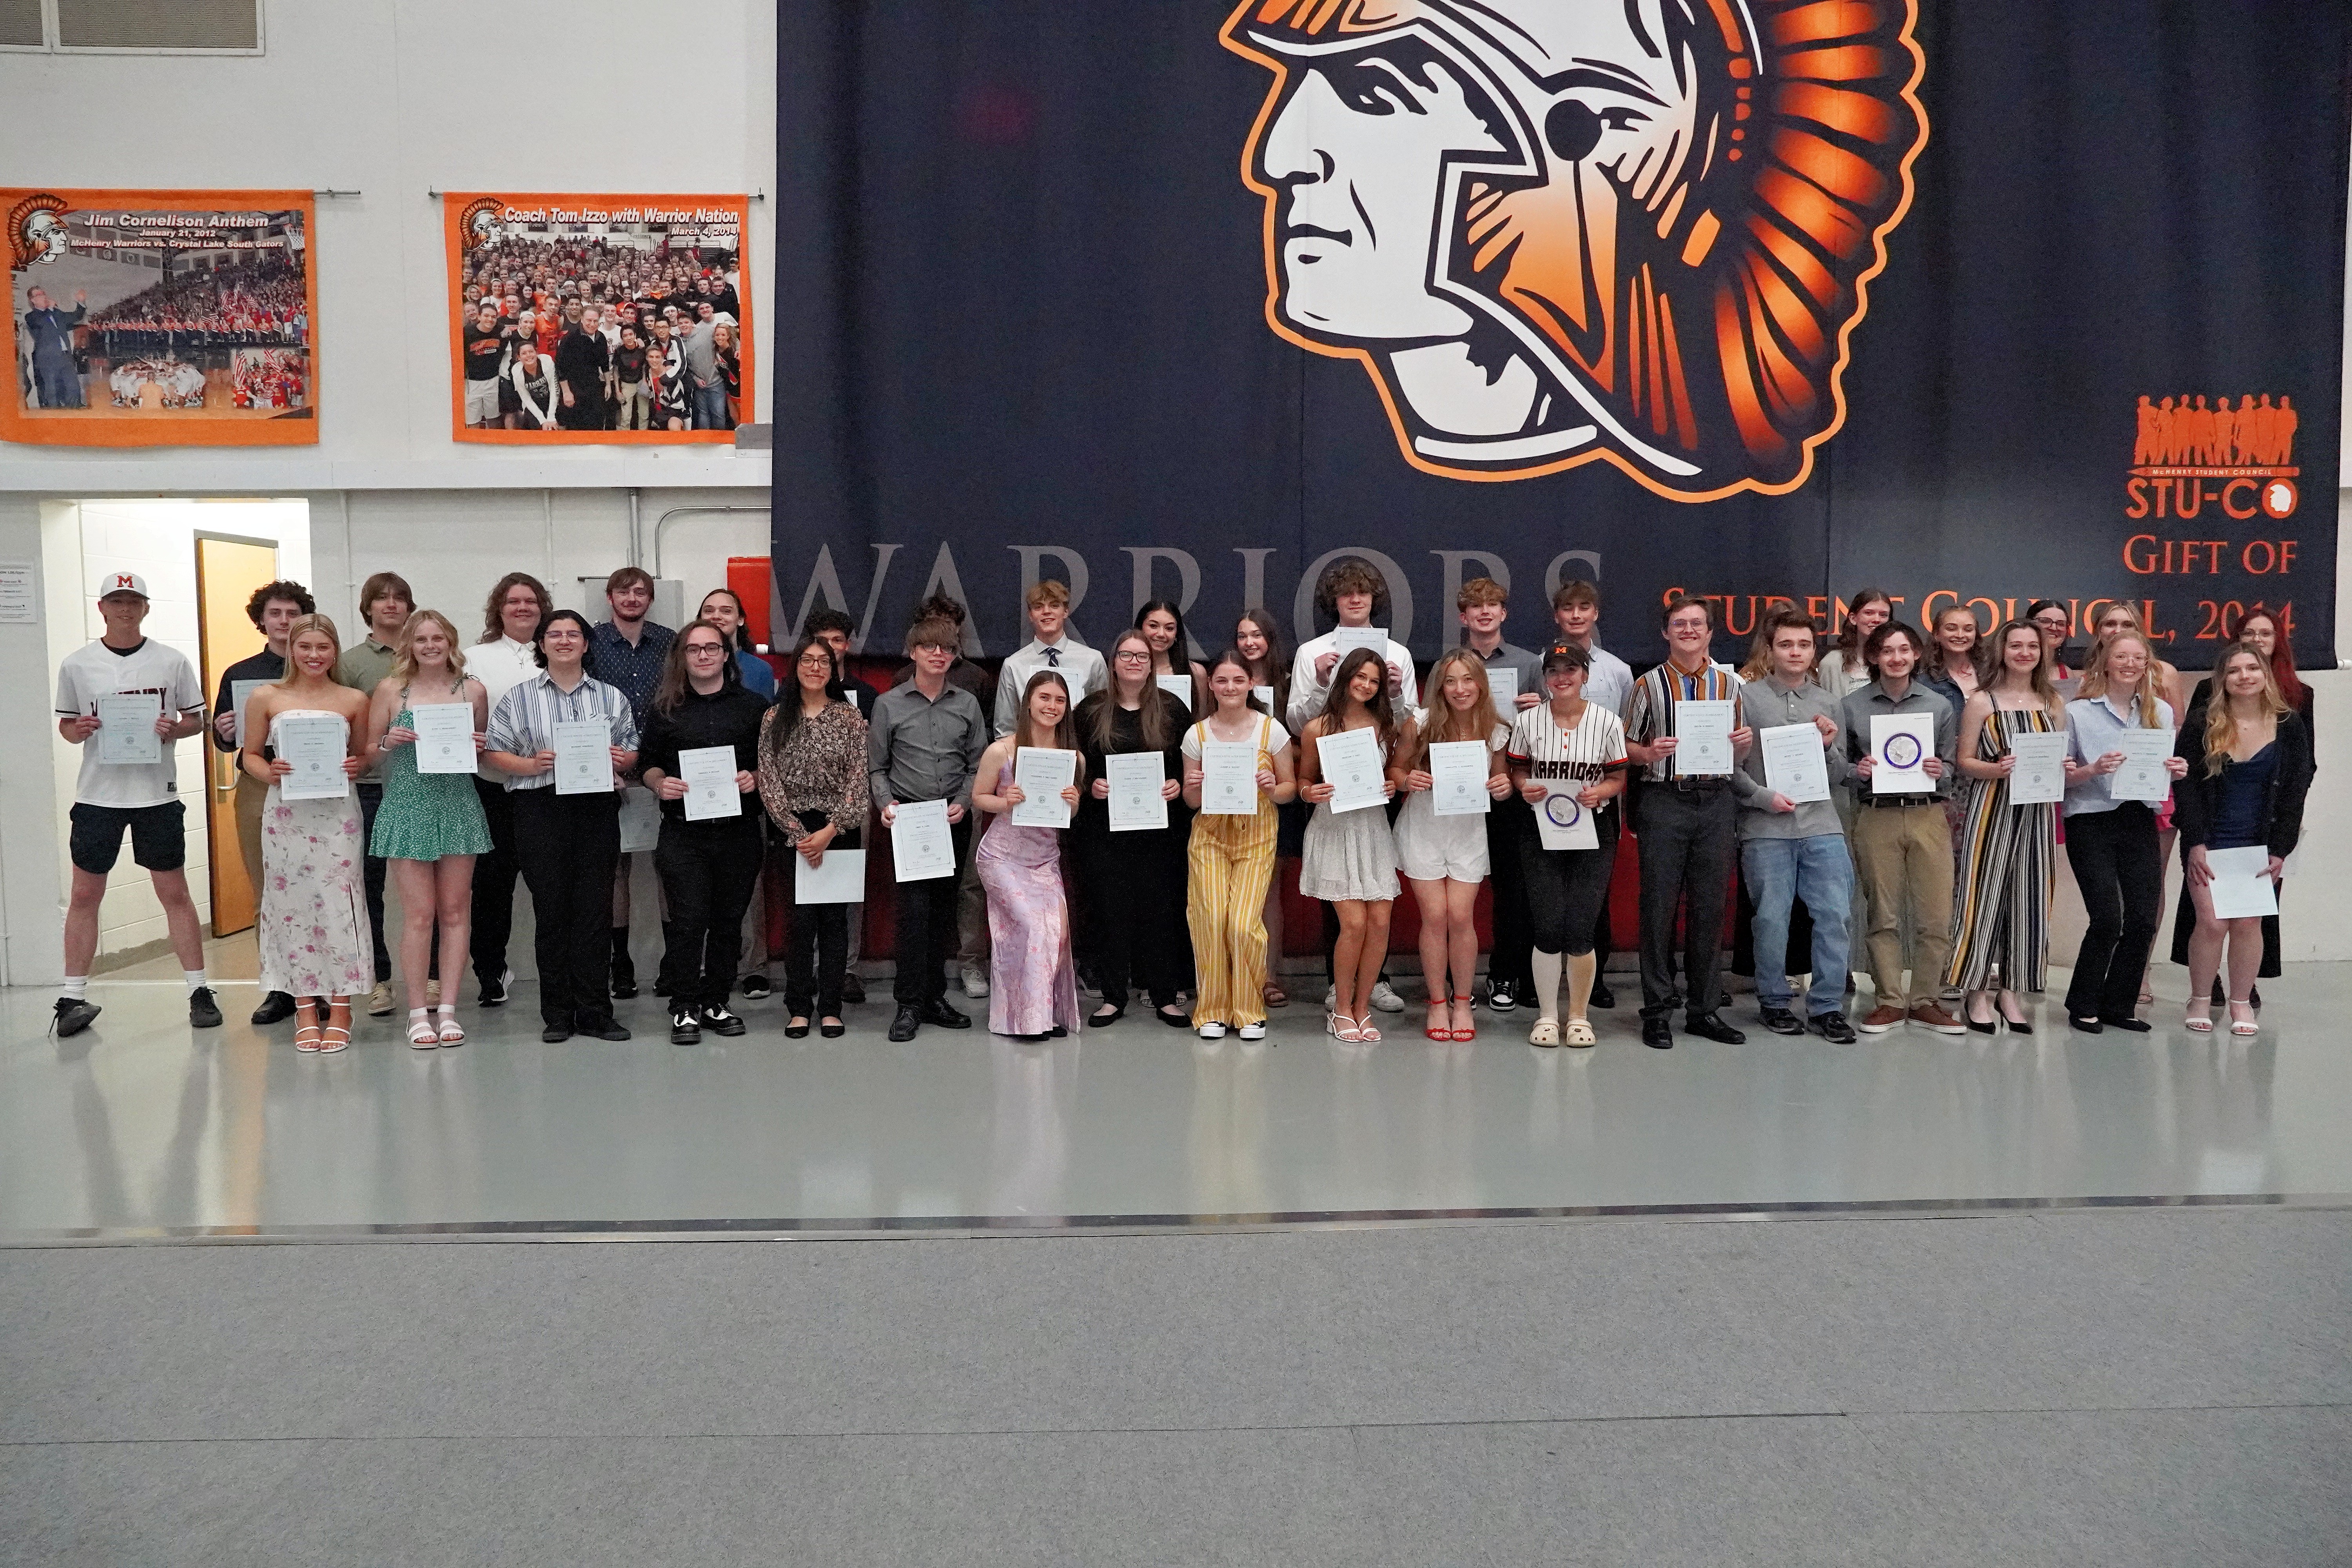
(1951, 883)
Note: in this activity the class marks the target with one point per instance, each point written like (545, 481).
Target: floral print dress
(313, 929)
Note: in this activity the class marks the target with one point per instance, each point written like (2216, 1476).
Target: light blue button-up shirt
(2092, 725)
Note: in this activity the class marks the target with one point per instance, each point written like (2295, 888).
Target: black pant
(925, 920)
(1508, 825)
(2120, 871)
(1135, 889)
(568, 844)
(1567, 890)
(370, 798)
(707, 870)
(1687, 857)
(494, 881)
(816, 939)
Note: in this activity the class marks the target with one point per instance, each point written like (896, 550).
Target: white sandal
(1580, 1034)
(452, 1033)
(2245, 1026)
(1545, 1032)
(421, 1034)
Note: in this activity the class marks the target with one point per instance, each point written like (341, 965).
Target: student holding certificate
(430, 826)
(1032, 982)
(2249, 767)
(1134, 878)
(2111, 833)
(1573, 748)
(1350, 857)
(2009, 858)
(1231, 862)
(1444, 853)
(1901, 844)
(312, 926)
(272, 607)
(1162, 625)
(1257, 636)
(708, 861)
(813, 781)
(568, 843)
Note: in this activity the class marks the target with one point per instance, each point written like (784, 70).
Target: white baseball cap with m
(112, 582)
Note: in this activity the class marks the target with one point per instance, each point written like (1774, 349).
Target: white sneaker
(1385, 998)
(975, 981)
(1252, 1031)
(1213, 1031)
(379, 1003)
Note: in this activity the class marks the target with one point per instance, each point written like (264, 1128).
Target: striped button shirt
(524, 723)
(1650, 711)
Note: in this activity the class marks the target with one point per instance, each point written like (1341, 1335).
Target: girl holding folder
(1445, 858)
(813, 781)
(1033, 985)
(1351, 855)
(1574, 747)
(1231, 859)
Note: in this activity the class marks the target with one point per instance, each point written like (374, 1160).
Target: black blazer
(2196, 796)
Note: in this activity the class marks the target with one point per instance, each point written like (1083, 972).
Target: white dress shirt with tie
(1081, 667)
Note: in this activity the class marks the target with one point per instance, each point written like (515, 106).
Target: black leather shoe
(945, 1017)
(796, 1031)
(833, 1031)
(603, 1029)
(1832, 1028)
(1601, 995)
(203, 1012)
(1658, 1034)
(1781, 1021)
(1711, 1026)
(904, 1025)
(1101, 1020)
(851, 988)
(556, 1034)
(685, 1028)
(276, 1009)
(2129, 1026)
(719, 1021)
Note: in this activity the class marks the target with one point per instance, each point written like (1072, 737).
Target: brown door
(228, 571)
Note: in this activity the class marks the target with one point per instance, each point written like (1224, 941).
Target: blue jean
(1819, 870)
(710, 407)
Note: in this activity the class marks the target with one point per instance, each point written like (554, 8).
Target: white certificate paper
(1563, 823)
(1135, 779)
(444, 737)
(921, 847)
(2040, 776)
(2240, 890)
(1504, 682)
(841, 879)
(1346, 640)
(1794, 762)
(1703, 728)
(710, 775)
(315, 748)
(583, 756)
(239, 693)
(1457, 773)
(2142, 777)
(1265, 695)
(640, 820)
(126, 728)
(1900, 746)
(1351, 764)
(1180, 687)
(1043, 772)
(1228, 778)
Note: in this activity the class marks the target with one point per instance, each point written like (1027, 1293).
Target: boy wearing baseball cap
(129, 781)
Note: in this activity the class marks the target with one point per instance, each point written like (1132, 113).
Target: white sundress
(313, 931)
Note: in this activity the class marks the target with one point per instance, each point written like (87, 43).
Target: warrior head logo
(479, 222)
(1557, 231)
(36, 230)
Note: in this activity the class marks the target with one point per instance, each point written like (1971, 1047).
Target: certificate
(1703, 728)
(2040, 776)
(1228, 778)
(1180, 687)
(1265, 695)
(240, 692)
(126, 728)
(1352, 765)
(1135, 780)
(640, 820)
(1793, 764)
(1457, 772)
(315, 748)
(1346, 640)
(709, 774)
(1043, 772)
(583, 756)
(1563, 823)
(444, 737)
(2241, 889)
(841, 879)
(1504, 682)
(920, 844)
(1900, 746)
(2142, 777)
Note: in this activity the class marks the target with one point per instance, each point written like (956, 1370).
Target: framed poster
(597, 318)
(161, 319)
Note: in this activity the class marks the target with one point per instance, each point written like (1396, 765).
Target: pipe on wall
(662, 521)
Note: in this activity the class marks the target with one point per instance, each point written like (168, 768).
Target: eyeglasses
(816, 662)
(695, 647)
(1132, 656)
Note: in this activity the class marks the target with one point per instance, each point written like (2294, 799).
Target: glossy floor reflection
(140, 1125)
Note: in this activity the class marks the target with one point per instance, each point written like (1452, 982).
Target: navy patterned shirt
(634, 671)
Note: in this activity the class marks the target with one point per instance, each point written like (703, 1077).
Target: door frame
(220, 767)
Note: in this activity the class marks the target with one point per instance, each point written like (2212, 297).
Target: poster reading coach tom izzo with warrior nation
(161, 318)
(616, 318)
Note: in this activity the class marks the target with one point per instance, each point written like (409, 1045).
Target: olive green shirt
(361, 668)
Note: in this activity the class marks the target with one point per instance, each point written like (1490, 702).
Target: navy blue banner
(1757, 298)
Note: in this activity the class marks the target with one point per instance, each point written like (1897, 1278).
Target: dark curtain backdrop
(1020, 331)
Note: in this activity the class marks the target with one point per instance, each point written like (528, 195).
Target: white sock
(77, 988)
(195, 980)
(1547, 972)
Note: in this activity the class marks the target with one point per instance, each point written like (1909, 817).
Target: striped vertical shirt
(1650, 711)
(524, 724)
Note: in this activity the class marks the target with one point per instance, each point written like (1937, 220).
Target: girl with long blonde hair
(2007, 868)
(1444, 858)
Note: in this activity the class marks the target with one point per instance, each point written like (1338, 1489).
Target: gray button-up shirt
(1871, 698)
(1767, 704)
(918, 749)
(1511, 656)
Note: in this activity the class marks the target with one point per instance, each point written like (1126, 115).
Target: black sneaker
(719, 1021)
(276, 1009)
(756, 988)
(625, 984)
(494, 991)
(605, 1028)
(204, 1009)
(685, 1028)
(1832, 1028)
(1781, 1021)
(853, 989)
(74, 1015)
(1502, 996)
(1601, 995)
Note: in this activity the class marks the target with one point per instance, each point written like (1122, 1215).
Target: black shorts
(159, 837)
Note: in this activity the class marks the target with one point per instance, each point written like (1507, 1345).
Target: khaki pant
(1905, 856)
(251, 794)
